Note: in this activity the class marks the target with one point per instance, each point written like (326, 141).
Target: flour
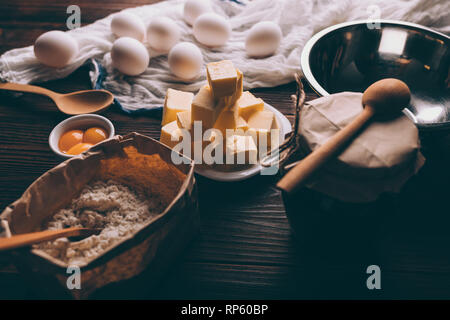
(115, 208)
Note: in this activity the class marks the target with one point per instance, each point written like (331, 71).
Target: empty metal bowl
(351, 56)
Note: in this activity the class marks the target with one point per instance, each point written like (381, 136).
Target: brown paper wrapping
(135, 160)
(380, 159)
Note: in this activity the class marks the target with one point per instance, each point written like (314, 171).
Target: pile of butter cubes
(221, 114)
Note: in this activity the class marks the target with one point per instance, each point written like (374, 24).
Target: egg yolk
(69, 139)
(94, 135)
(79, 148)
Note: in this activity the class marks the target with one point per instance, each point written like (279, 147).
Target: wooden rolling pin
(386, 98)
(27, 239)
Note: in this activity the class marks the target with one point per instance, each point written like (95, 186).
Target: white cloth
(299, 20)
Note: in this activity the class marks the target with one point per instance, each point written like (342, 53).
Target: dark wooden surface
(246, 248)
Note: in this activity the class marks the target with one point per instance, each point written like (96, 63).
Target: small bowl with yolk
(77, 134)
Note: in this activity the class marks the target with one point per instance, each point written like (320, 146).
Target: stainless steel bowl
(351, 56)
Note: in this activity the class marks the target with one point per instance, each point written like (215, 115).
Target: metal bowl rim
(304, 59)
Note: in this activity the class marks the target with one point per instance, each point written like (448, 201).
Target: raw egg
(55, 48)
(212, 30)
(74, 142)
(79, 148)
(69, 139)
(162, 34)
(94, 135)
(129, 56)
(125, 24)
(195, 8)
(263, 39)
(185, 61)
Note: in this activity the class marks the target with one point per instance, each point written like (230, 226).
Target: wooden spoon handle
(28, 88)
(27, 239)
(297, 176)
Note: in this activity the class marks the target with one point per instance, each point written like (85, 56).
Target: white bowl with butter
(222, 127)
(250, 171)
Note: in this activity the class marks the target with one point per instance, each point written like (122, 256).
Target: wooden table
(246, 248)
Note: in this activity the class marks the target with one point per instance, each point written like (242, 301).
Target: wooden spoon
(387, 98)
(26, 239)
(79, 102)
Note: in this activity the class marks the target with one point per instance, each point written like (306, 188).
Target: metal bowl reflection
(351, 56)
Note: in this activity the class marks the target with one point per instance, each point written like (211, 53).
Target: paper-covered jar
(363, 181)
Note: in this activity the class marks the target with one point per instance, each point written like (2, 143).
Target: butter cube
(230, 101)
(171, 134)
(226, 120)
(203, 108)
(240, 150)
(261, 120)
(239, 86)
(260, 124)
(176, 101)
(241, 124)
(247, 105)
(222, 78)
(184, 120)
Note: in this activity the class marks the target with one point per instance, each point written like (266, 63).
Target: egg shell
(129, 56)
(212, 30)
(195, 8)
(185, 61)
(263, 39)
(162, 34)
(55, 48)
(125, 24)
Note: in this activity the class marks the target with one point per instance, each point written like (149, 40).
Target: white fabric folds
(298, 19)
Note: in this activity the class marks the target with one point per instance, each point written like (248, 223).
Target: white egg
(185, 61)
(162, 34)
(195, 8)
(212, 30)
(263, 39)
(129, 56)
(55, 48)
(125, 24)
